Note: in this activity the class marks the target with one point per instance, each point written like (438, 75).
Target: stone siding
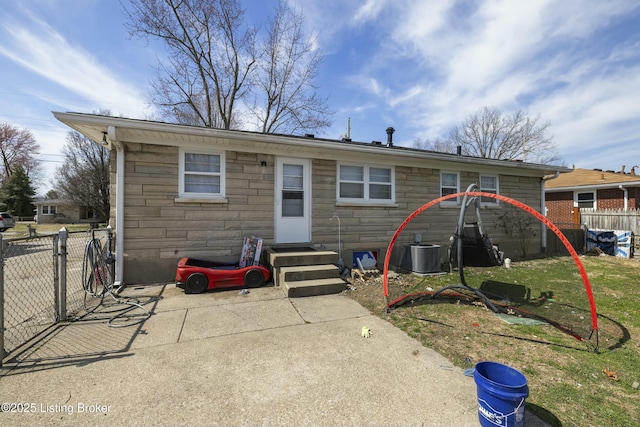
(159, 228)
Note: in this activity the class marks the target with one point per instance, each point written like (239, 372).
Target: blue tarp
(612, 242)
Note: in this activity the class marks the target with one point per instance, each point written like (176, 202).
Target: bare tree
(84, 176)
(51, 195)
(438, 144)
(18, 147)
(490, 134)
(216, 66)
(211, 54)
(287, 101)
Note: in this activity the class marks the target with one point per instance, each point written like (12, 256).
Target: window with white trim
(48, 210)
(586, 200)
(201, 174)
(365, 183)
(489, 184)
(292, 190)
(449, 184)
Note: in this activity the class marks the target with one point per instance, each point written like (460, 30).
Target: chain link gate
(41, 283)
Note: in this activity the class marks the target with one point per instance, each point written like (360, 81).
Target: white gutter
(543, 210)
(119, 274)
(76, 120)
(626, 197)
(594, 187)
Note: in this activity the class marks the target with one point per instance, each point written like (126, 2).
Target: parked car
(6, 221)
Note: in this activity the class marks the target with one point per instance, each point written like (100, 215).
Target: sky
(419, 66)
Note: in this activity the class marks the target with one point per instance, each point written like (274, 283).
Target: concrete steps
(304, 271)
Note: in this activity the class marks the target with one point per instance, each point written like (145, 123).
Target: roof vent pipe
(459, 150)
(390, 131)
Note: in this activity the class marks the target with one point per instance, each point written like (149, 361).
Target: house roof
(111, 130)
(592, 178)
(53, 202)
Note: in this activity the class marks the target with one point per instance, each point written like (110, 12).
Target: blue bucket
(502, 391)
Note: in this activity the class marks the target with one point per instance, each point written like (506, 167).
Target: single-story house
(182, 191)
(592, 189)
(49, 211)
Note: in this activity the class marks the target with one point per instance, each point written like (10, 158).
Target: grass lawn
(567, 382)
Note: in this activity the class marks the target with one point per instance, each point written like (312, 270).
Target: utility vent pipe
(390, 131)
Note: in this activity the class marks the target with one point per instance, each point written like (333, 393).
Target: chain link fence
(41, 282)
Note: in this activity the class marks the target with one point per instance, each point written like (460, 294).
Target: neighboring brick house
(181, 191)
(590, 188)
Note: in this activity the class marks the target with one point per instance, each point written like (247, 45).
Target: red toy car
(196, 276)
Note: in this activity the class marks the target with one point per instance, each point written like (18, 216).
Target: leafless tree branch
(215, 64)
(84, 176)
(18, 147)
(490, 134)
(211, 54)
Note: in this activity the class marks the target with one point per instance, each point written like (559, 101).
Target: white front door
(293, 201)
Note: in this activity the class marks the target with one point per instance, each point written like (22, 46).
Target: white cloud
(504, 37)
(421, 66)
(536, 56)
(44, 51)
(420, 22)
(600, 110)
(47, 71)
(324, 20)
(369, 10)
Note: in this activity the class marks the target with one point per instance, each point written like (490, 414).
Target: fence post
(56, 276)
(1, 300)
(63, 234)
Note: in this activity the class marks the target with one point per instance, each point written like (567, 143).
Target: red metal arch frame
(520, 205)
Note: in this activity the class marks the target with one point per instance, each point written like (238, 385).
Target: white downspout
(626, 197)
(543, 209)
(119, 273)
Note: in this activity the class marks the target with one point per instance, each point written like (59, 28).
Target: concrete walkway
(226, 359)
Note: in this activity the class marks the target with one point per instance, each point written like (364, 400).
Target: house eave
(588, 187)
(149, 132)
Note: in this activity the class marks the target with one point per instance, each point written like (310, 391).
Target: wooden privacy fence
(612, 219)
